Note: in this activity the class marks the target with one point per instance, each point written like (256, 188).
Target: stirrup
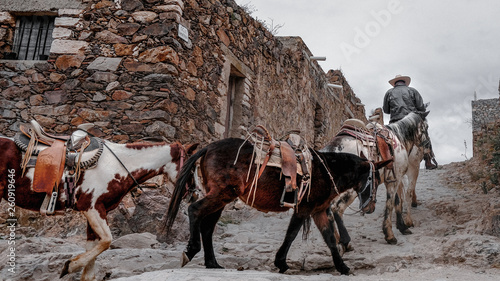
(49, 204)
(286, 204)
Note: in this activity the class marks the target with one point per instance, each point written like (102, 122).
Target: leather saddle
(290, 154)
(371, 136)
(50, 161)
(285, 154)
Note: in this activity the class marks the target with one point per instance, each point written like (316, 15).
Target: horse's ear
(381, 164)
(424, 114)
(190, 148)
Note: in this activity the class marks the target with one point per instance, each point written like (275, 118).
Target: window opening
(32, 38)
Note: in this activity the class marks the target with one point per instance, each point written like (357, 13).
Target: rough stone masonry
(125, 66)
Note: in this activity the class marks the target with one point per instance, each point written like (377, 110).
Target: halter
(369, 183)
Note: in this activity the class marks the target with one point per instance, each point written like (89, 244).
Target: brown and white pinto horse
(98, 191)
(410, 142)
(225, 167)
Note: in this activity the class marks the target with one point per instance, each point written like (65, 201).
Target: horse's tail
(185, 176)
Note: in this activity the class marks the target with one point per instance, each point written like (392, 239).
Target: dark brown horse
(225, 179)
(98, 191)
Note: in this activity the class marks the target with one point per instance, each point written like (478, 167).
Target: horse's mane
(406, 129)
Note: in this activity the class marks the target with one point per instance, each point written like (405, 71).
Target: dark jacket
(401, 100)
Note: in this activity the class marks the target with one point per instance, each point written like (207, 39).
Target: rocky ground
(456, 237)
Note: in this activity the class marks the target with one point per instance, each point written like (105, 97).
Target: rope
(33, 144)
(78, 169)
(253, 186)
(327, 170)
(239, 149)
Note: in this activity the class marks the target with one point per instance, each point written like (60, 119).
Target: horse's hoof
(213, 265)
(184, 259)
(406, 232)
(392, 241)
(284, 269)
(414, 204)
(344, 269)
(282, 266)
(65, 269)
(349, 248)
(341, 249)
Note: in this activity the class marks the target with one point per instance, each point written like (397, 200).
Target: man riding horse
(400, 101)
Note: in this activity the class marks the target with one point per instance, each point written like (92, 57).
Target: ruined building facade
(193, 71)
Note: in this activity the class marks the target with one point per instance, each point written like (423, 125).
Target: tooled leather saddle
(51, 155)
(291, 154)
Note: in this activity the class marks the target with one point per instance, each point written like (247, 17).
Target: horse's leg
(389, 205)
(101, 229)
(340, 204)
(344, 238)
(410, 193)
(414, 160)
(207, 230)
(325, 226)
(398, 207)
(414, 202)
(92, 240)
(296, 223)
(197, 212)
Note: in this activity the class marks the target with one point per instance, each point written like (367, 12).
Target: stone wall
(485, 112)
(193, 71)
(485, 126)
(486, 140)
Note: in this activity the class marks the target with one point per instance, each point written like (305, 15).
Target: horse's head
(367, 194)
(424, 141)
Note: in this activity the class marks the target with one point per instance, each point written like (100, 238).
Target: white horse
(98, 190)
(410, 141)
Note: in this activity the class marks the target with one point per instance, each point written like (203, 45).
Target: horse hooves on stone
(184, 259)
(344, 269)
(392, 241)
(349, 248)
(283, 270)
(65, 269)
(216, 265)
(282, 266)
(406, 232)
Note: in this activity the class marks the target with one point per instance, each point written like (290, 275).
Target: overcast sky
(450, 49)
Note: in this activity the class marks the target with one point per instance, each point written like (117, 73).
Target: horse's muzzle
(370, 208)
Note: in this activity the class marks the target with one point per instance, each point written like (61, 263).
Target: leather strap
(272, 145)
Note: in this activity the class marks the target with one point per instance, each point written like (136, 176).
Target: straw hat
(400, 77)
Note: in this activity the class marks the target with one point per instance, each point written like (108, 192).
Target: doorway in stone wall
(234, 100)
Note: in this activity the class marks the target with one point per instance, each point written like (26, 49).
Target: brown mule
(226, 179)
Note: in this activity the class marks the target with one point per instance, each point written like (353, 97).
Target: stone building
(485, 123)
(486, 138)
(193, 71)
